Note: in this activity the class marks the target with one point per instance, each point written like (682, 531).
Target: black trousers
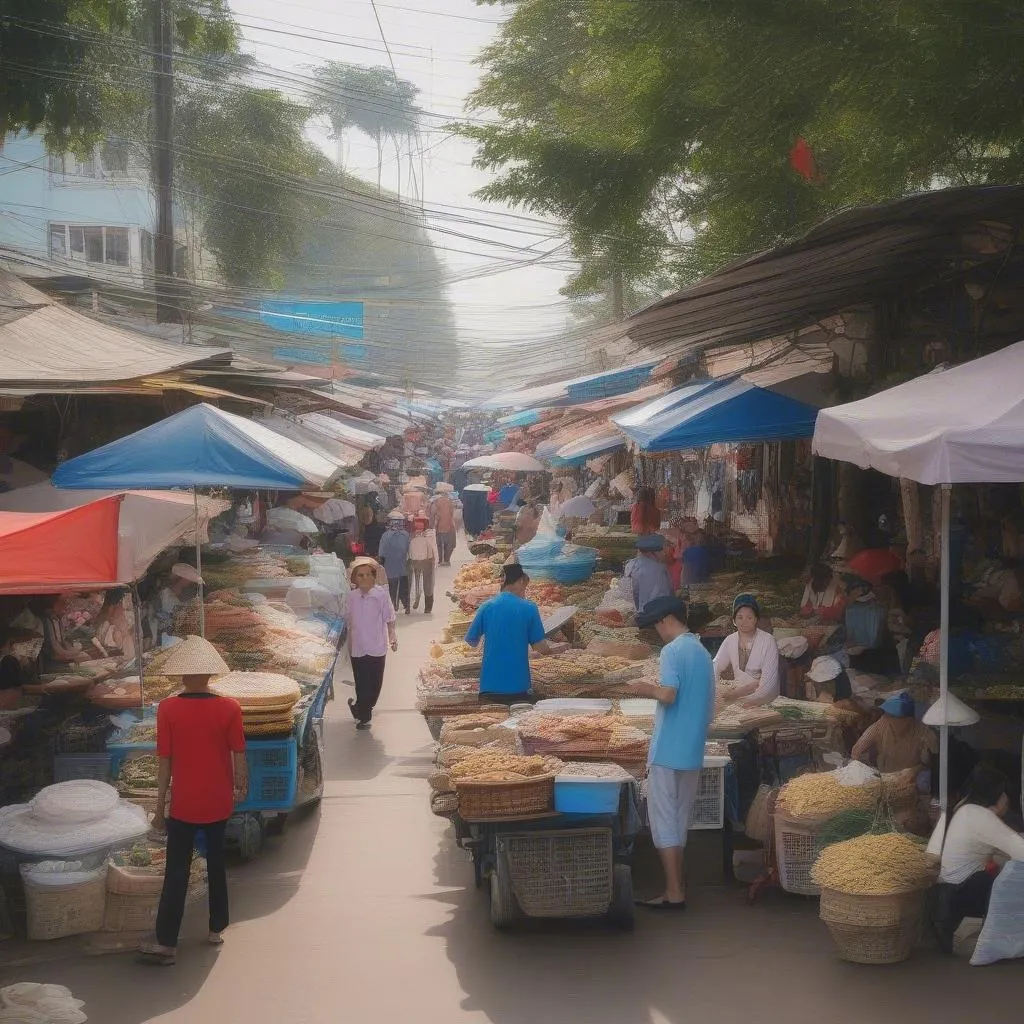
(181, 839)
(968, 899)
(399, 589)
(368, 675)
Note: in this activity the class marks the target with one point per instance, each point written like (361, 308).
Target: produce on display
(497, 766)
(823, 795)
(883, 864)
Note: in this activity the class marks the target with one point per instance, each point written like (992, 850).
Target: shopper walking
(371, 631)
(201, 748)
(442, 521)
(422, 559)
(685, 693)
(394, 556)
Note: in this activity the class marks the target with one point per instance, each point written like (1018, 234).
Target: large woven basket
(480, 801)
(127, 912)
(873, 929)
(58, 910)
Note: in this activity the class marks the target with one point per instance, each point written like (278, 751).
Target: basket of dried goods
(873, 891)
(496, 784)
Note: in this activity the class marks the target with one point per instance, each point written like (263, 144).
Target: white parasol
(334, 510)
(289, 519)
(517, 462)
(579, 507)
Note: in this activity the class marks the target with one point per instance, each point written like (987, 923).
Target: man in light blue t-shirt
(509, 625)
(685, 694)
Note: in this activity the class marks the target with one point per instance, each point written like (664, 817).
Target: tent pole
(199, 566)
(944, 649)
(137, 607)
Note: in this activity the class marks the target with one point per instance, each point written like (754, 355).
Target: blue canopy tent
(526, 418)
(202, 446)
(711, 412)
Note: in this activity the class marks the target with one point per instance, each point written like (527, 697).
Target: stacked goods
(596, 770)
(579, 673)
(155, 685)
(495, 784)
(267, 700)
(872, 895)
(609, 737)
(241, 568)
(475, 574)
(458, 627)
(820, 796)
(733, 719)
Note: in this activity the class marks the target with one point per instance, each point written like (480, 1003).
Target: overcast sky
(433, 44)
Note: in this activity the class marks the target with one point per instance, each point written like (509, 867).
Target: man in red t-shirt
(201, 746)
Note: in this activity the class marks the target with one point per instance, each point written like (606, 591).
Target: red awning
(43, 552)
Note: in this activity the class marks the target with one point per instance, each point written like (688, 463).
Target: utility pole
(167, 310)
(618, 304)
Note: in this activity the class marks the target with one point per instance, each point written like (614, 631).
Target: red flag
(801, 159)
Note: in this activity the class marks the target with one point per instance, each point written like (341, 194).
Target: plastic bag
(1002, 935)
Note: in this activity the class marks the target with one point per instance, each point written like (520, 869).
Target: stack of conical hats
(267, 700)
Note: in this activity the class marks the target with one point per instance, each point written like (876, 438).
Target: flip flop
(661, 904)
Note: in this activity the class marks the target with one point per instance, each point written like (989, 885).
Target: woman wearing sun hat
(371, 631)
(201, 748)
(748, 660)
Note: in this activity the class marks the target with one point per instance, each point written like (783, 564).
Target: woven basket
(873, 929)
(126, 912)
(58, 910)
(444, 805)
(479, 801)
(440, 782)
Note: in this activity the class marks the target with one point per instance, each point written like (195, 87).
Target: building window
(148, 256)
(110, 161)
(111, 246)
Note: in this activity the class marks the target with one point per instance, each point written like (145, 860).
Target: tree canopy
(677, 137)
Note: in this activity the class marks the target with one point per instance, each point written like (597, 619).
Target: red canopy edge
(74, 549)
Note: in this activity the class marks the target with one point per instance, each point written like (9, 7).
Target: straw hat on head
(184, 571)
(195, 656)
(358, 563)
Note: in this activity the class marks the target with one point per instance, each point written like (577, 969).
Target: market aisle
(364, 911)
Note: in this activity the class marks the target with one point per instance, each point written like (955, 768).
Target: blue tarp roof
(526, 418)
(712, 412)
(201, 446)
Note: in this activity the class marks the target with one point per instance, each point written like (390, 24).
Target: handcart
(555, 865)
(284, 774)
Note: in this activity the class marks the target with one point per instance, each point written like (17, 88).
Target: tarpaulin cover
(43, 552)
(201, 446)
(728, 411)
(526, 418)
(150, 521)
(961, 425)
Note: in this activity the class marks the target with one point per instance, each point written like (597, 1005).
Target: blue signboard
(290, 354)
(321, 319)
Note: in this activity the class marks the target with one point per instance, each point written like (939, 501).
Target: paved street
(365, 911)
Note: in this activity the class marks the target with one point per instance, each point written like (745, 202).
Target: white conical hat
(194, 656)
(950, 710)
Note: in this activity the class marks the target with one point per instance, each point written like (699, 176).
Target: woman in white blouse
(748, 660)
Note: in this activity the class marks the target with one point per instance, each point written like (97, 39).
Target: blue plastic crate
(273, 775)
(576, 794)
(67, 767)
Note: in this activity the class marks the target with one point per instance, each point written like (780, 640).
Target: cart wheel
(276, 825)
(504, 908)
(620, 913)
(250, 840)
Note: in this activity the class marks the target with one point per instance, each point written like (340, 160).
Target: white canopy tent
(959, 425)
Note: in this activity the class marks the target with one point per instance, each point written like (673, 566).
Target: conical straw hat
(194, 656)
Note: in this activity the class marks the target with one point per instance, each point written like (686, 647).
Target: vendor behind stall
(178, 590)
(58, 651)
(114, 631)
(647, 573)
(748, 660)
(509, 626)
(897, 741)
(823, 597)
(975, 836)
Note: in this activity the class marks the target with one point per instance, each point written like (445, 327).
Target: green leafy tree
(373, 101)
(661, 133)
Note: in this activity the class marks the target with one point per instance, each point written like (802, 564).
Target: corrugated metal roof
(855, 257)
(51, 344)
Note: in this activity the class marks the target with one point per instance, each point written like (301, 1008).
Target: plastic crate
(578, 794)
(273, 775)
(709, 804)
(796, 849)
(67, 767)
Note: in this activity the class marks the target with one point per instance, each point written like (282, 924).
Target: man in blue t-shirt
(685, 694)
(509, 625)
